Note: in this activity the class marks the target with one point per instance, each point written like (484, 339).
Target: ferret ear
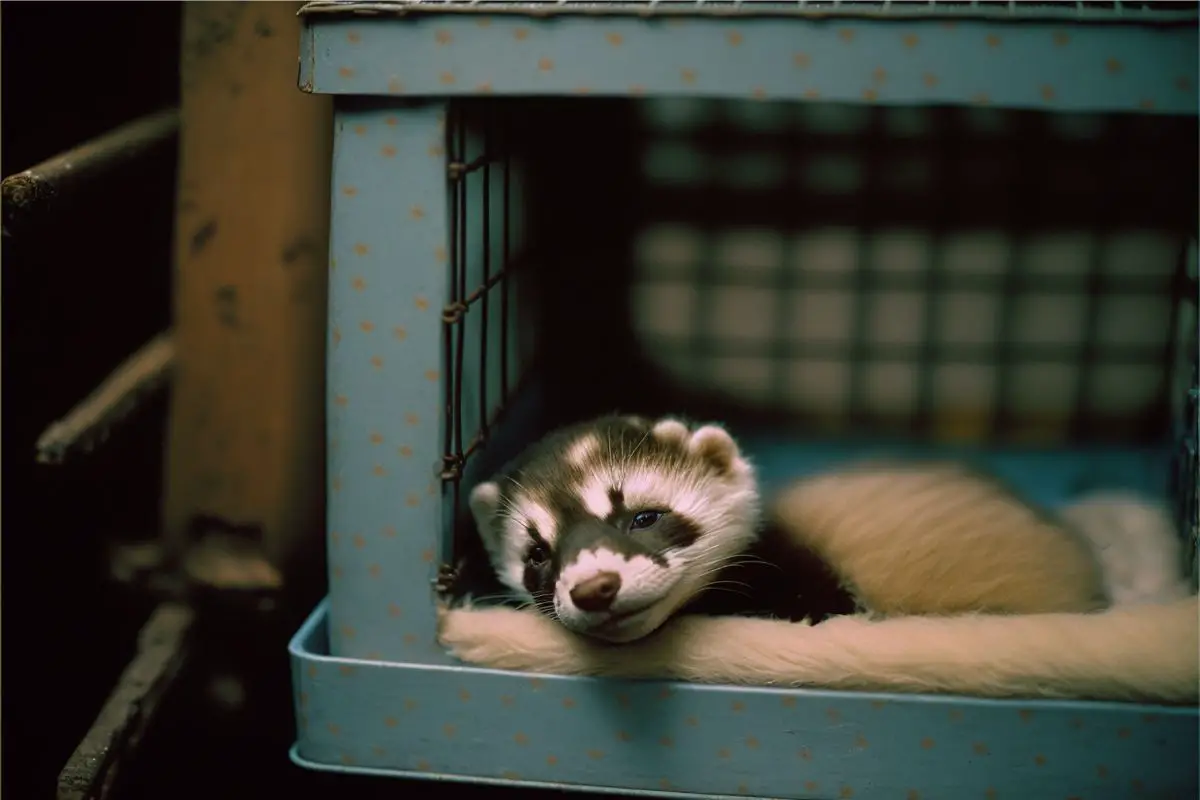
(714, 444)
(670, 430)
(484, 502)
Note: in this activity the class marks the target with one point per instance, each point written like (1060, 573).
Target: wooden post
(245, 440)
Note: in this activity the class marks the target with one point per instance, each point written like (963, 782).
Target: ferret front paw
(446, 582)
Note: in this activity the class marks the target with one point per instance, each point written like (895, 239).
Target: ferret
(614, 525)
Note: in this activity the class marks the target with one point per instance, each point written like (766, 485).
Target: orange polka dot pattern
(1135, 68)
(633, 736)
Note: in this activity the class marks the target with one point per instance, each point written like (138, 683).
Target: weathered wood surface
(245, 439)
(114, 736)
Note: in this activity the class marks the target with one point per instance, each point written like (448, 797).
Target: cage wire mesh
(966, 274)
(486, 346)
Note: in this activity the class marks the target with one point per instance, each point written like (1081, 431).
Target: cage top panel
(1052, 10)
(908, 58)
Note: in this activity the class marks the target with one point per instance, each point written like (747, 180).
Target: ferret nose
(596, 593)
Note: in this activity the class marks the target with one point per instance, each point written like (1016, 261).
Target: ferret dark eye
(537, 555)
(645, 519)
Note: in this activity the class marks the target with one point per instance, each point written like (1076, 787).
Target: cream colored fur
(939, 539)
(1138, 653)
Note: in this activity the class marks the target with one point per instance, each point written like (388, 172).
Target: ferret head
(612, 525)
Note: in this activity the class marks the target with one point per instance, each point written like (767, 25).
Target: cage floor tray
(674, 739)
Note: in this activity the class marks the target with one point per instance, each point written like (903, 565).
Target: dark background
(82, 292)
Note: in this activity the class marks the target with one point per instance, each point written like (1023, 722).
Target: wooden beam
(245, 438)
(113, 739)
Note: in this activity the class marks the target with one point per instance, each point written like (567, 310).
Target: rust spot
(536, 684)
(551, 760)
(508, 701)
(1047, 92)
(846, 792)
(410, 704)
(347, 759)
(446, 78)
(788, 702)
(811, 786)
(667, 741)
(833, 714)
(358, 284)
(449, 730)
(349, 191)
(759, 93)
(509, 775)
(411, 419)
(436, 151)
(752, 743)
(1025, 714)
(913, 794)
(980, 749)
(1102, 771)
(377, 362)
(361, 249)
(203, 235)
(879, 75)
(374, 570)
(345, 669)
(421, 303)
(804, 754)
(427, 556)
(521, 34)
(1146, 105)
(1183, 83)
(861, 742)
(688, 76)
(417, 212)
(432, 375)
(870, 95)
(724, 752)
(367, 326)
(846, 35)
(394, 611)
(545, 64)
(360, 130)
(423, 766)
(927, 743)
(378, 470)
(615, 39)
(391, 122)
(405, 451)
(388, 151)
(358, 541)
(1061, 39)
(390, 531)
(1124, 733)
(992, 40)
(595, 755)
(346, 72)
(811, 94)
(929, 80)
(520, 738)
(664, 784)
(568, 702)
(1113, 67)
(412, 500)
(734, 38)
(353, 37)
(376, 750)
(484, 88)
(801, 60)
(443, 37)
(911, 40)
(637, 89)
(737, 706)
(981, 99)
(410, 639)
(1040, 760)
(400, 332)
(394, 86)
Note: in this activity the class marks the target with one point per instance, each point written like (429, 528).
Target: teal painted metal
(374, 691)
(893, 60)
(649, 737)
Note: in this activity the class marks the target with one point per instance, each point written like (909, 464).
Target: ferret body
(614, 525)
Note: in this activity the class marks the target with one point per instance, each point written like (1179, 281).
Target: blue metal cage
(1013, 285)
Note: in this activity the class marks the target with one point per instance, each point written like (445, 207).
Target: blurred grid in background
(967, 273)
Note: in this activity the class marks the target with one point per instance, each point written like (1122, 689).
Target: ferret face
(610, 526)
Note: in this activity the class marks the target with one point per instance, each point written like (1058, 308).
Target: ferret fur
(913, 542)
